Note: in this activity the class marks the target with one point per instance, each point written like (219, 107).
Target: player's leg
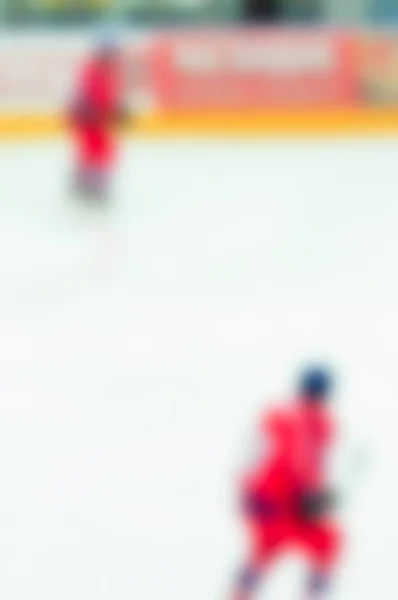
(91, 179)
(94, 163)
(80, 179)
(318, 585)
(100, 177)
(265, 542)
(97, 181)
(322, 543)
(247, 581)
(250, 575)
(82, 165)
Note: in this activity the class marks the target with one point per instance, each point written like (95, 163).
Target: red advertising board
(212, 70)
(253, 69)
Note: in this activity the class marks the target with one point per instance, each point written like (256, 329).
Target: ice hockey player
(285, 499)
(97, 110)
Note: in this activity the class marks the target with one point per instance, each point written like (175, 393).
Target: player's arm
(347, 469)
(318, 495)
(314, 505)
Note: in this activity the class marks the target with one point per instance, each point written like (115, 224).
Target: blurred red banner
(253, 69)
(215, 70)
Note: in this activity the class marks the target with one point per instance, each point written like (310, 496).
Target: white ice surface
(137, 345)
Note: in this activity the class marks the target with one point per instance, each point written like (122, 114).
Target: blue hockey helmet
(108, 47)
(107, 42)
(316, 382)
